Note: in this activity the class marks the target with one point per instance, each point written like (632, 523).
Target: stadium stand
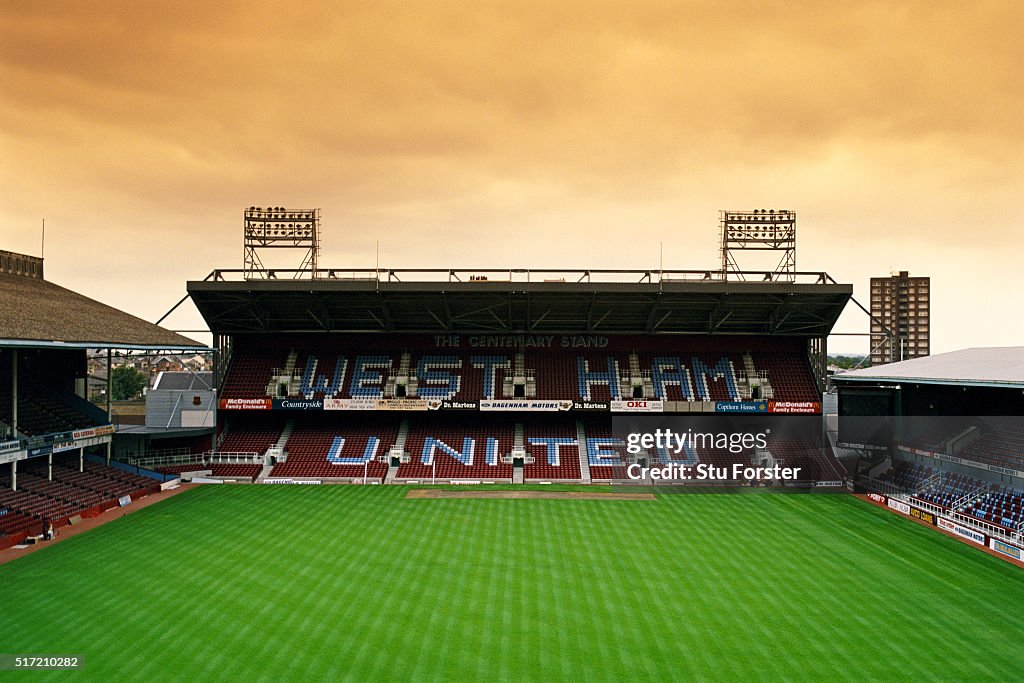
(235, 470)
(959, 493)
(46, 332)
(606, 454)
(933, 435)
(559, 377)
(997, 441)
(226, 470)
(81, 497)
(554, 446)
(70, 492)
(452, 449)
(329, 448)
(948, 488)
(1001, 443)
(1001, 506)
(15, 525)
(816, 462)
(906, 476)
(45, 401)
(467, 401)
(250, 434)
(959, 422)
(700, 369)
(250, 371)
(315, 367)
(609, 459)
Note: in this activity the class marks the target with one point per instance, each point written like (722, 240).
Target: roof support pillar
(110, 415)
(14, 393)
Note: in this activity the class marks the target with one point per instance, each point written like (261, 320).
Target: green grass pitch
(335, 582)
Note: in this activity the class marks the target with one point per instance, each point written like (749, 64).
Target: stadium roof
(978, 367)
(184, 381)
(38, 313)
(630, 302)
(161, 432)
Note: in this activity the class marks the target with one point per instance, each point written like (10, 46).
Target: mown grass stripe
(356, 583)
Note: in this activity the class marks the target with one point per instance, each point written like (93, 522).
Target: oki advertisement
(637, 406)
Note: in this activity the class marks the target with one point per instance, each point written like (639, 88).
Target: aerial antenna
(42, 242)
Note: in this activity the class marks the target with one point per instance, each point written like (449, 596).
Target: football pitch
(360, 583)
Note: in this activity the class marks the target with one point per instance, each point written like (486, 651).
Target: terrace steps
(265, 472)
(581, 438)
(285, 434)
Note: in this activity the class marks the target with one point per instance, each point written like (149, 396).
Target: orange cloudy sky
(565, 134)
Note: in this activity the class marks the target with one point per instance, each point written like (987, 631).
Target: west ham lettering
(441, 377)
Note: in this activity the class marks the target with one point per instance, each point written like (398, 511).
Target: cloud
(584, 131)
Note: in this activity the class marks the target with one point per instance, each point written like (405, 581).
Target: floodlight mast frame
(280, 228)
(759, 230)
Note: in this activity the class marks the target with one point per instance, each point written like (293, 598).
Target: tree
(126, 383)
(845, 362)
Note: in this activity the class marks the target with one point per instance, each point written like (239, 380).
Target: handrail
(968, 497)
(483, 275)
(174, 411)
(927, 505)
(183, 456)
(882, 486)
(894, 492)
(233, 457)
(988, 527)
(925, 483)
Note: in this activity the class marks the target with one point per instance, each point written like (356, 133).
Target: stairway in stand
(285, 434)
(265, 472)
(403, 434)
(581, 438)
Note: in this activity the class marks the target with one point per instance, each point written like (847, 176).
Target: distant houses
(151, 366)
